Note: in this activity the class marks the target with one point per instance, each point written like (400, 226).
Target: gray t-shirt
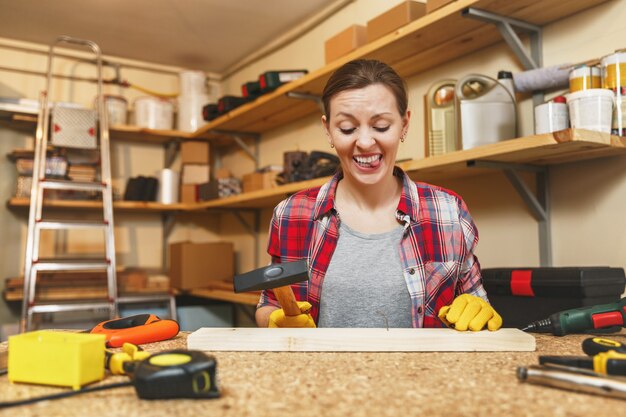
(364, 285)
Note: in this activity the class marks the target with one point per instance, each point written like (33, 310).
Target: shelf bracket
(538, 202)
(238, 138)
(168, 220)
(171, 150)
(506, 27)
(304, 96)
(253, 229)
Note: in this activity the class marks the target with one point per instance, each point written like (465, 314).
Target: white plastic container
(551, 117)
(190, 112)
(154, 113)
(117, 109)
(192, 83)
(168, 186)
(591, 109)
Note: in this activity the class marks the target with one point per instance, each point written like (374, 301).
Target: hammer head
(272, 276)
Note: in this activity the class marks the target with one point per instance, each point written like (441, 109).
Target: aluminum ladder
(36, 223)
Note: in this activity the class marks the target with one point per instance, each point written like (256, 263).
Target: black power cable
(8, 404)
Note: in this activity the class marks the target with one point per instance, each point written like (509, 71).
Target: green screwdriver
(580, 320)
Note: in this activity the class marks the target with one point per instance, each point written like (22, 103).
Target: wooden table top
(346, 384)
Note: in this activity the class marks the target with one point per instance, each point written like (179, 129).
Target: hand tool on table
(582, 319)
(607, 363)
(277, 277)
(566, 379)
(120, 363)
(165, 375)
(138, 329)
(594, 345)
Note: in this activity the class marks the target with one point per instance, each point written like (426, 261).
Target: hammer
(276, 277)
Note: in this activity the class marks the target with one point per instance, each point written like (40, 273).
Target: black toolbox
(524, 295)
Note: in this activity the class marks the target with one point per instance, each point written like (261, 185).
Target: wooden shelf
(223, 290)
(549, 149)
(434, 39)
(23, 202)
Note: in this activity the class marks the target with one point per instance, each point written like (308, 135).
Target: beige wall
(588, 227)
(588, 198)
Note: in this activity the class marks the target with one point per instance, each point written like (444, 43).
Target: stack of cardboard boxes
(356, 36)
(195, 169)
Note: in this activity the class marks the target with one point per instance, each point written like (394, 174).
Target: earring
(402, 138)
(332, 145)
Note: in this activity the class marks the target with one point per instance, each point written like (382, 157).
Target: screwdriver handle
(610, 363)
(594, 345)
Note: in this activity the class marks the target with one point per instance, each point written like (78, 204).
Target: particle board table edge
(359, 340)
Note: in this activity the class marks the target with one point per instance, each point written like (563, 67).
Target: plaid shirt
(436, 249)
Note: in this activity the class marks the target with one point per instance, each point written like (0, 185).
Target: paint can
(584, 77)
(154, 113)
(591, 109)
(117, 108)
(551, 116)
(614, 78)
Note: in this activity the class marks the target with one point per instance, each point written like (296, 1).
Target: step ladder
(99, 135)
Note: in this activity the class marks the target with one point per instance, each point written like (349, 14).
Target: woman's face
(365, 128)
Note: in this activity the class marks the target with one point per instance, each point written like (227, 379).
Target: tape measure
(176, 374)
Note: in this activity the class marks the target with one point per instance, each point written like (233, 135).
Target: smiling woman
(389, 252)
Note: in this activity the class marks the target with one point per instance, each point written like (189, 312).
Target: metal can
(584, 77)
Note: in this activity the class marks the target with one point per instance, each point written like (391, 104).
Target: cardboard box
(188, 193)
(195, 265)
(194, 152)
(436, 4)
(345, 42)
(195, 174)
(404, 13)
(222, 173)
(259, 181)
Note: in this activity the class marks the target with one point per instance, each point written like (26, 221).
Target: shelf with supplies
(430, 41)
(548, 149)
(568, 145)
(17, 117)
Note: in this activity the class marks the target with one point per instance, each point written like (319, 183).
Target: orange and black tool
(139, 329)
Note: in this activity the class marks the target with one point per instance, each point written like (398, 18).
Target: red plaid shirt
(436, 249)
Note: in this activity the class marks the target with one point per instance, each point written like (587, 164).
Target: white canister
(168, 186)
(154, 113)
(591, 109)
(190, 112)
(192, 83)
(117, 108)
(551, 116)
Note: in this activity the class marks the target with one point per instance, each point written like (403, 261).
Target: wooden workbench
(347, 384)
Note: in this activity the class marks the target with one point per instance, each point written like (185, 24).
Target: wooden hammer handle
(287, 300)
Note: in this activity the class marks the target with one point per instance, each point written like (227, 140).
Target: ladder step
(70, 224)
(71, 185)
(71, 264)
(55, 308)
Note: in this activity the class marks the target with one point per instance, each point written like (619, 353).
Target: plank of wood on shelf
(139, 206)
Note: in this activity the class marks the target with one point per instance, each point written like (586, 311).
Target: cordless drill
(578, 320)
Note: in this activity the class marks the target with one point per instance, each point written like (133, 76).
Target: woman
(382, 250)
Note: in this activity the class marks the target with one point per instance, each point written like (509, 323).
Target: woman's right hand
(279, 319)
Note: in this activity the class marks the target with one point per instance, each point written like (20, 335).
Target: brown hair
(362, 73)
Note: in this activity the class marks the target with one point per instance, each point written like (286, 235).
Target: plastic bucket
(117, 107)
(591, 109)
(550, 117)
(154, 113)
(192, 83)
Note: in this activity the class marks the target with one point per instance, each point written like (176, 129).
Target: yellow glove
(278, 318)
(469, 311)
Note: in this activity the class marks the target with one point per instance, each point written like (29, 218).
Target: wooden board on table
(358, 340)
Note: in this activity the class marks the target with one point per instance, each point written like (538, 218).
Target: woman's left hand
(470, 312)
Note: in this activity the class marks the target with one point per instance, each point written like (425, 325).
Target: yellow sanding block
(56, 358)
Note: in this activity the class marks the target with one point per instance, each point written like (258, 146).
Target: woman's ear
(405, 122)
(326, 130)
